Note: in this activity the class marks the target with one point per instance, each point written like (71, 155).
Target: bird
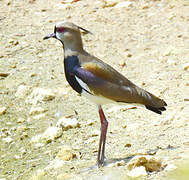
(98, 81)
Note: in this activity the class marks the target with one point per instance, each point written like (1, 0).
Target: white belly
(99, 100)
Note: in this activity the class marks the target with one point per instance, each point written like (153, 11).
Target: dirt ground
(147, 41)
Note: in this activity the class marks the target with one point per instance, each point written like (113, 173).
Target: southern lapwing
(98, 81)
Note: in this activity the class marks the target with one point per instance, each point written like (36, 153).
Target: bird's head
(68, 34)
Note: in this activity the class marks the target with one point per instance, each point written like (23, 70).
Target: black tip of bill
(52, 35)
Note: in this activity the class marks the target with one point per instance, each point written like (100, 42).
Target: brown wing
(105, 81)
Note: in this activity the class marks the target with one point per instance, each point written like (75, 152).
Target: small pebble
(21, 120)
(186, 66)
(137, 172)
(2, 110)
(48, 136)
(22, 91)
(124, 4)
(4, 74)
(36, 110)
(8, 140)
(127, 145)
(65, 153)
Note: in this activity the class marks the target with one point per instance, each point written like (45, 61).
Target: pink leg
(104, 127)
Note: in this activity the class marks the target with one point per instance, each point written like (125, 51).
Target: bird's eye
(59, 29)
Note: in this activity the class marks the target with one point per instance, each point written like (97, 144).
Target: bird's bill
(52, 35)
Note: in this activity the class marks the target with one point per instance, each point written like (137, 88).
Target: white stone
(55, 164)
(21, 120)
(170, 167)
(49, 135)
(186, 66)
(171, 50)
(65, 153)
(2, 110)
(137, 172)
(8, 140)
(170, 61)
(40, 95)
(22, 91)
(124, 4)
(67, 123)
(39, 116)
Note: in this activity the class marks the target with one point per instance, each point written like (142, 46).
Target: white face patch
(58, 36)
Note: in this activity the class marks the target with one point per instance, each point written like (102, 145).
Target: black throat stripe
(71, 63)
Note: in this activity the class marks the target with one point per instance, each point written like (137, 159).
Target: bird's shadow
(108, 162)
(126, 159)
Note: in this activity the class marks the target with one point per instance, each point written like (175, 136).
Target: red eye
(60, 29)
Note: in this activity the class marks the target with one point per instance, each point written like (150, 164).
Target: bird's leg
(103, 131)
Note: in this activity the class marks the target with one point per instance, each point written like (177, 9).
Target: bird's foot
(100, 163)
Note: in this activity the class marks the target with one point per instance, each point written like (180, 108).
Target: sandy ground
(147, 41)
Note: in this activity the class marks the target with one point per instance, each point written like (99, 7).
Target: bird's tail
(155, 104)
(152, 102)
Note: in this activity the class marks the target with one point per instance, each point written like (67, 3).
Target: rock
(36, 110)
(186, 66)
(63, 6)
(171, 50)
(109, 3)
(21, 120)
(64, 176)
(149, 162)
(23, 151)
(39, 116)
(55, 164)
(48, 136)
(120, 163)
(33, 74)
(170, 167)
(8, 140)
(2, 110)
(22, 128)
(124, 4)
(40, 95)
(52, 133)
(128, 145)
(186, 142)
(68, 123)
(94, 132)
(171, 61)
(40, 174)
(122, 63)
(137, 172)
(22, 91)
(65, 153)
(4, 74)
(59, 91)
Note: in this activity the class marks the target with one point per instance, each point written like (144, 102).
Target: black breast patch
(70, 64)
